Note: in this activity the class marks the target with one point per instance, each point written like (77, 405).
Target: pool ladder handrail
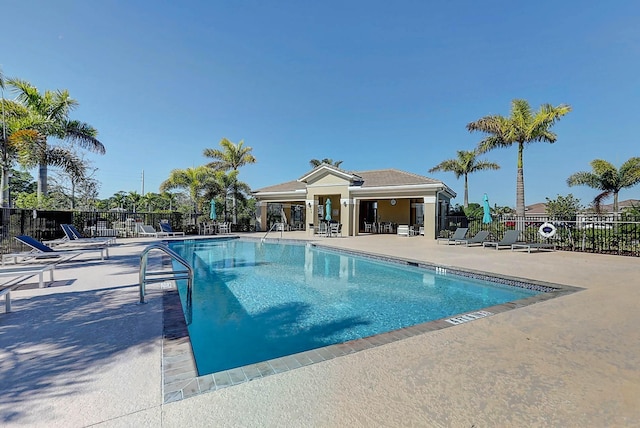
(164, 275)
(271, 228)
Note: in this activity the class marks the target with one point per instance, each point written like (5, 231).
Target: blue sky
(376, 84)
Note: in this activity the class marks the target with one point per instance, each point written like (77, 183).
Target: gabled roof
(393, 177)
(289, 186)
(381, 178)
(539, 208)
(325, 169)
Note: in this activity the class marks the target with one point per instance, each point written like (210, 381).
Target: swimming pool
(256, 301)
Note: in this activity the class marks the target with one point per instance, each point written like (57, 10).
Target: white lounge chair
(148, 230)
(27, 271)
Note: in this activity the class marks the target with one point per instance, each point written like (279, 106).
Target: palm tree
(24, 144)
(4, 183)
(521, 127)
(134, 198)
(168, 200)
(608, 179)
(54, 108)
(230, 187)
(230, 158)
(463, 165)
(194, 180)
(315, 162)
(118, 199)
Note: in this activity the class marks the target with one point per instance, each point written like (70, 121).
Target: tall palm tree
(521, 127)
(230, 158)
(463, 165)
(194, 180)
(24, 144)
(608, 179)
(315, 162)
(4, 180)
(54, 107)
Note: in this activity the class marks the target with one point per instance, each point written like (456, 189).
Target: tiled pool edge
(179, 373)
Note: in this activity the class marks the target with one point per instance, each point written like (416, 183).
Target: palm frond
(84, 135)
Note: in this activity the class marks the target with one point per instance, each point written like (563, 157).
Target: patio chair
(403, 230)
(165, 227)
(335, 229)
(74, 236)
(457, 235)
(323, 229)
(40, 251)
(534, 245)
(510, 237)
(224, 228)
(479, 238)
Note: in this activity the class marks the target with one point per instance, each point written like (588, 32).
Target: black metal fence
(45, 225)
(607, 234)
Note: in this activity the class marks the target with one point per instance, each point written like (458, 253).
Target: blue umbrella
(486, 218)
(328, 210)
(212, 214)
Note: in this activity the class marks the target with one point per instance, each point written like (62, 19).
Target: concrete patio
(81, 352)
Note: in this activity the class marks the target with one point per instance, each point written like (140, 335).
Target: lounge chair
(457, 235)
(148, 230)
(40, 251)
(25, 272)
(165, 227)
(74, 236)
(510, 237)
(534, 245)
(479, 238)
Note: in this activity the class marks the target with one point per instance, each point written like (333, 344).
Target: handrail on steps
(164, 275)
(271, 228)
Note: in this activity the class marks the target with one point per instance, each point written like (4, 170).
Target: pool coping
(180, 379)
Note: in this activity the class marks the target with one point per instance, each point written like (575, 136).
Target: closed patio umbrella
(328, 210)
(212, 214)
(486, 218)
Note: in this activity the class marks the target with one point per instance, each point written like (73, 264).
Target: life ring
(547, 230)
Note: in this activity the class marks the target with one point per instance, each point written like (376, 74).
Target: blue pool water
(257, 301)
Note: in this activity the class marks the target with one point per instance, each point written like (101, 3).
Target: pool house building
(374, 201)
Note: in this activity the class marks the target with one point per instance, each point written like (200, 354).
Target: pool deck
(81, 352)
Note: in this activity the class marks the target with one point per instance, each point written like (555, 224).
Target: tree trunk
(235, 212)
(520, 183)
(5, 202)
(42, 182)
(466, 191)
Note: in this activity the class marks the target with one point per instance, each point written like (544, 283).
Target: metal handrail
(160, 276)
(271, 228)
